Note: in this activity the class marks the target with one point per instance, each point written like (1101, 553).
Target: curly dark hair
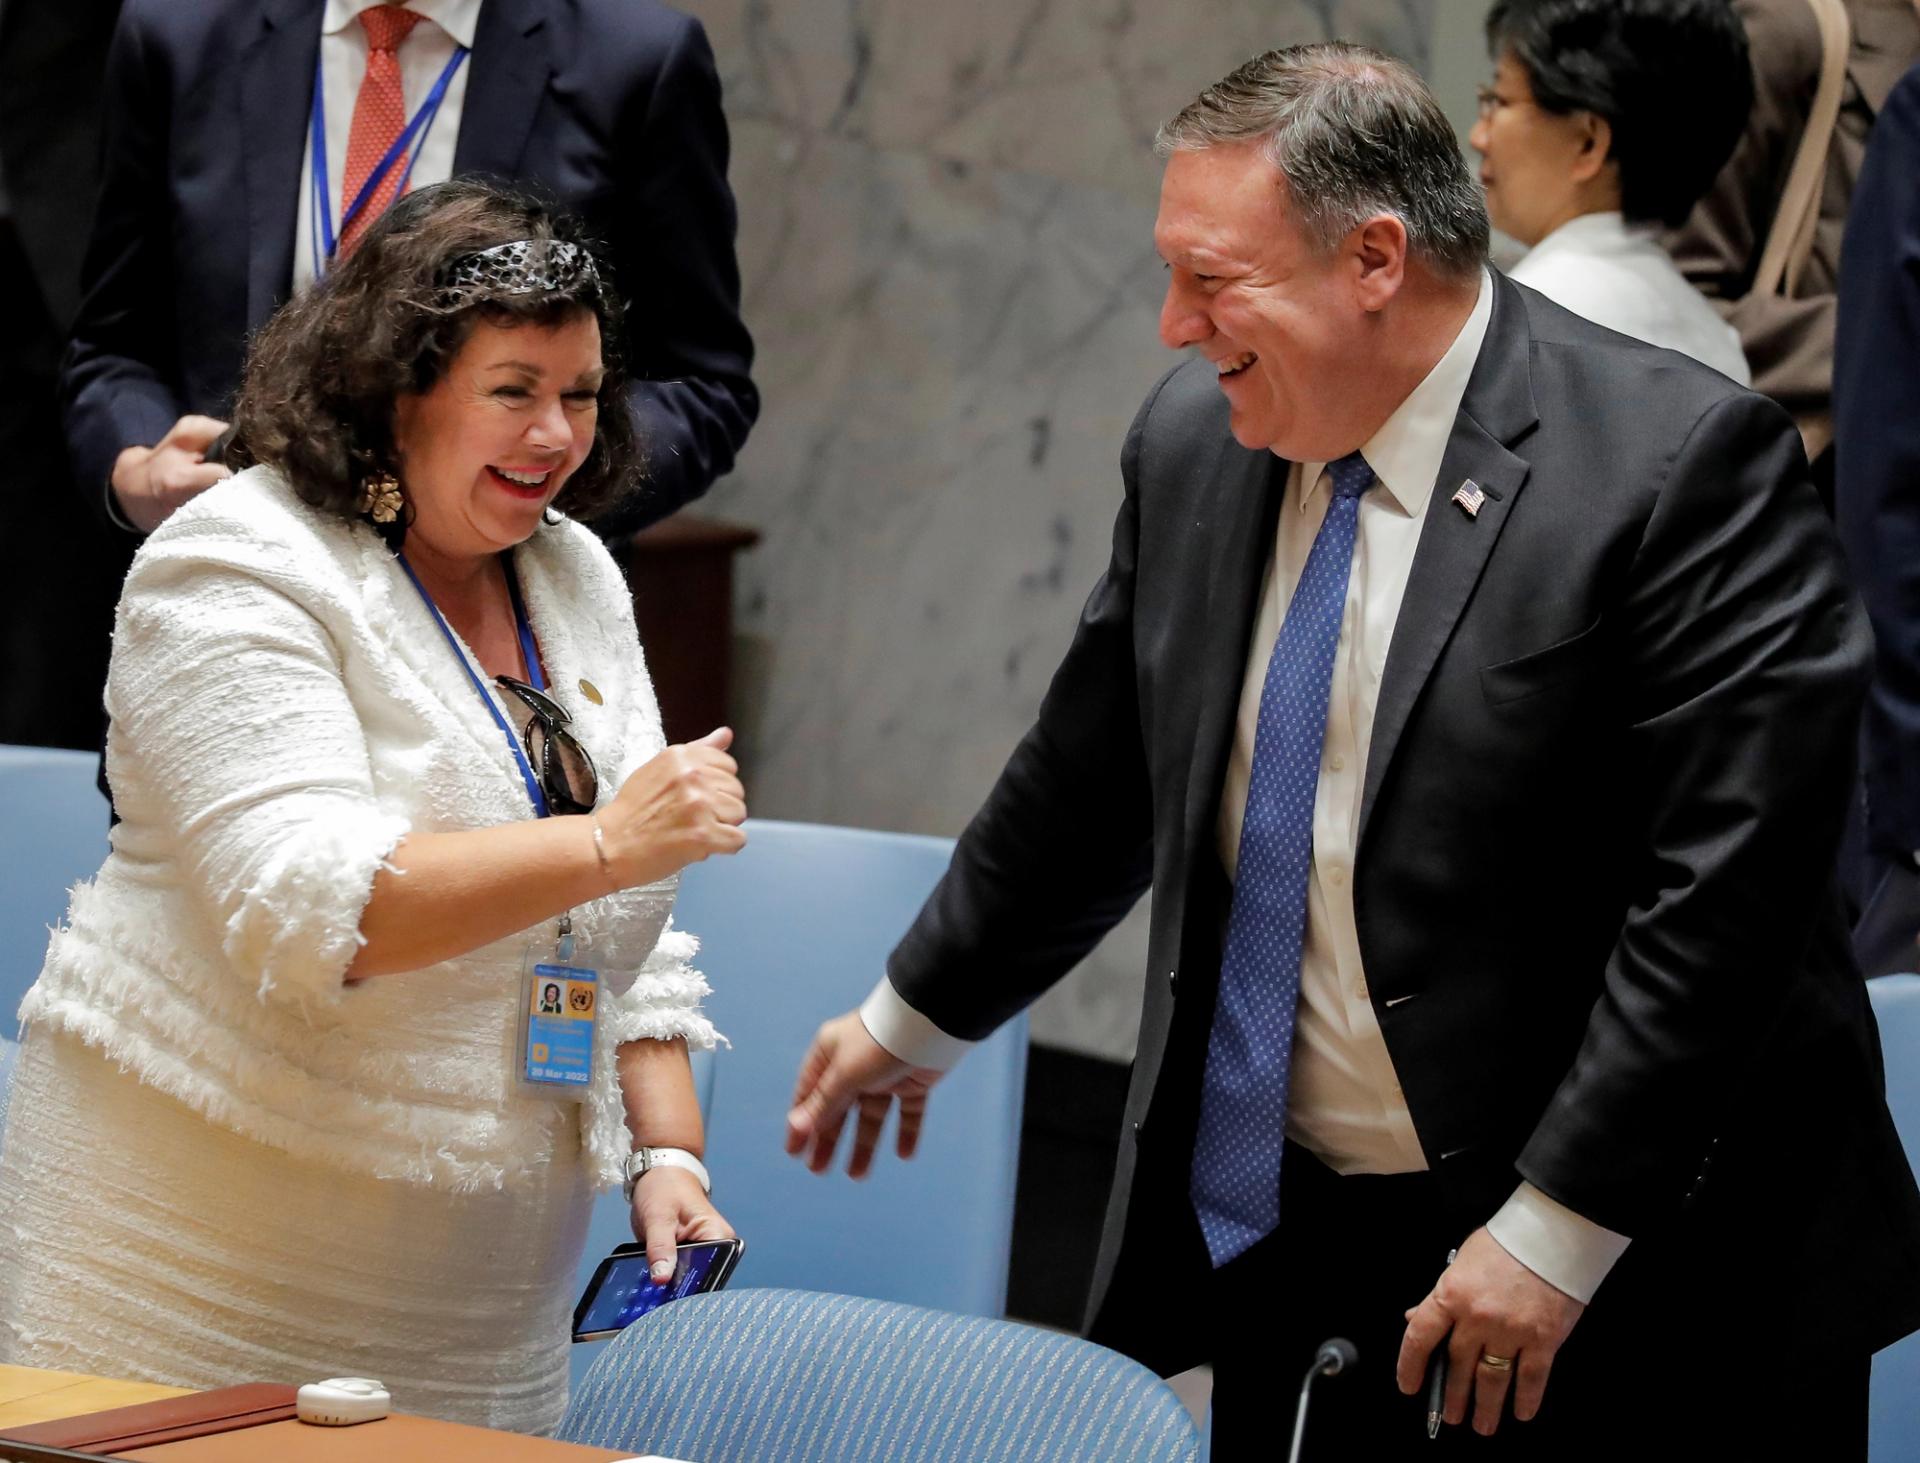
(324, 373)
(1670, 76)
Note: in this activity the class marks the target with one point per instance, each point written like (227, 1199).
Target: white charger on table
(342, 1401)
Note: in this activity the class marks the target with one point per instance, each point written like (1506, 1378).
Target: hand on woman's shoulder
(247, 535)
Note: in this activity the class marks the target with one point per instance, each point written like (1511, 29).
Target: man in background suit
(1876, 387)
(611, 107)
(62, 568)
(1474, 688)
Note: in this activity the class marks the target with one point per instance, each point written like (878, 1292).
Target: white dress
(221, 1163)
(1616, 275)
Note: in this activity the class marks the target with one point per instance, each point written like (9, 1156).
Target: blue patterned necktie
(1243, 1100)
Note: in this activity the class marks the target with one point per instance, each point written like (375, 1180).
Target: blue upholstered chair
(1894, 1413)
(9, 1050)
(794, 929)
(53, 835)
(754, 1376)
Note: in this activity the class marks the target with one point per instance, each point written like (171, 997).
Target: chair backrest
(53, 833)
(794, 929)
(1893, 1414)
(749, 1375)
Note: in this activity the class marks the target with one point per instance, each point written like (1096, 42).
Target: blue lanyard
(323, 240)
(534, 674)
(536, 677)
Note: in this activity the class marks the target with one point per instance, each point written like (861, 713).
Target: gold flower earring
(380, 497)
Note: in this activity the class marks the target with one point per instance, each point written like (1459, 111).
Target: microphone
(1336, 1354)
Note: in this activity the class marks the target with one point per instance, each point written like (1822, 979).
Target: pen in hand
(1437, 1379)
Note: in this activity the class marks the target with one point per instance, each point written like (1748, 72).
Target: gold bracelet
(600, 849)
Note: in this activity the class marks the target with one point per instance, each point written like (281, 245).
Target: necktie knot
(1350, 476)
(387, 26)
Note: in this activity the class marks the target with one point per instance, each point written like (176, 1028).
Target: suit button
(1173, 982)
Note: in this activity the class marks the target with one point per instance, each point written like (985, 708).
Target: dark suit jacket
(56, 631)
(1877, 455)
(612, 107)
(51, 73)
(1604, 788)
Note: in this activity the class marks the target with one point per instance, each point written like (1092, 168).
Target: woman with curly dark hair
(1605, 120)
(288, 1103)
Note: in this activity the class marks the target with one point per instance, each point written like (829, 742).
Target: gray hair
(1355, 133)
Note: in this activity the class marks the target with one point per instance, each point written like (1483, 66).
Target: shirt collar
(458, 18)
(1405, 453)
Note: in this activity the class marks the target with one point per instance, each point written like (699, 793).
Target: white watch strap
(643, 1159)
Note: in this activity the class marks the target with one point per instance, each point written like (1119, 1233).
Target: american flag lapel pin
(1469, 496)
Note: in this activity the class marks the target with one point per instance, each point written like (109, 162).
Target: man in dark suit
(61, 566)
(611, 107)
(1474, 689)
(1877, 502)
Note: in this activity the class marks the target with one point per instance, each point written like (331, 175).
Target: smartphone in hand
(622, 1290)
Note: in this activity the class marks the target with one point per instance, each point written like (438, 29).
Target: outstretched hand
(844, 1067)
(683, 806)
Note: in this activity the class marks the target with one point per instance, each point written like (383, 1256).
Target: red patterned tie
(379, 117)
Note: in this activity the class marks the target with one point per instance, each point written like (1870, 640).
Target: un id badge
(559, 1010)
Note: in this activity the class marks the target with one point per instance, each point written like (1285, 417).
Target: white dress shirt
(1344, 1102)
(343, 64)
(1616, 275)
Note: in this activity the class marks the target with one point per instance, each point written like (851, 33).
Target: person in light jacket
(1605, 120)
(388, 759)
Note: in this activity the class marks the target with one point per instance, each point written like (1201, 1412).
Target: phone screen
(622, 1291)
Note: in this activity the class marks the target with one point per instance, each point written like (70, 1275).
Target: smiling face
(487, 446)
(1285, 324)
(1539, 168)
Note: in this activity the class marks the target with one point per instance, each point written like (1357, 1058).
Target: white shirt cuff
(906, 1033)
(1570, 1253)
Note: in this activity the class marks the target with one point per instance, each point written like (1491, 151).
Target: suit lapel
(1248, 511)
(276, 72)
(581, 642)
(1496, 411)
(511, 66)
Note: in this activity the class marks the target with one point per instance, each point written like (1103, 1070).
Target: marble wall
(946, 224)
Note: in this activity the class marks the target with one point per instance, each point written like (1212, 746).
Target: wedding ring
(1496, 1363)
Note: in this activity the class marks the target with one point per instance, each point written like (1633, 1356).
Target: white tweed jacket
(284, 711)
